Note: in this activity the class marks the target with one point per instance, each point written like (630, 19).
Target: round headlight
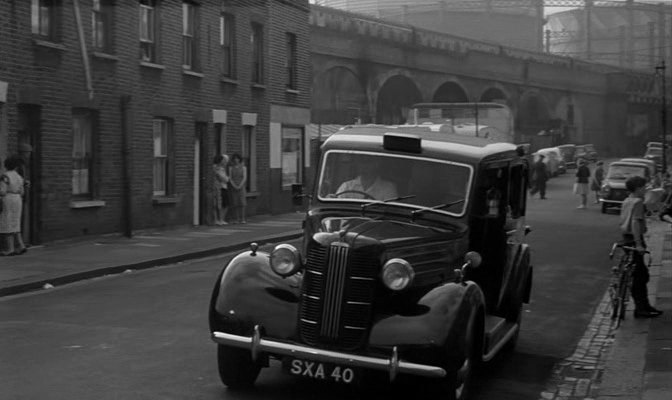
(285, 260)
(397, 274)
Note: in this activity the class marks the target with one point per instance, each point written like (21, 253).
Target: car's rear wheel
(237, 370)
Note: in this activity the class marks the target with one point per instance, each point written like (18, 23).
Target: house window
(226, 40)
(220, 138)
(292, 156)
(82, 153)
(257, 41)
(189, 39)
(161, 133)
(249, 155)
(101, 18)
(43, 18)
(290, 61)
(148, 33)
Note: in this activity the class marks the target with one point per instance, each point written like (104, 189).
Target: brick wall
(53, 77)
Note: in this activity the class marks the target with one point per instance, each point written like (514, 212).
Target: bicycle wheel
(622, 295)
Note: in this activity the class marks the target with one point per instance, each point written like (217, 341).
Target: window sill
(258, 86)
(49, 44)
(226, 79)
(152, 65)
(157, 200)
(192, 73)
(86, 203)
(104, 56)
(292, 91)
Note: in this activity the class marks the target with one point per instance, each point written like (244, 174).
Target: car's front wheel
(604, 208)
(237, 370)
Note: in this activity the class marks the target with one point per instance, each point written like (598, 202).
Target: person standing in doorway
(11, 193)
(539, 177)
(221, 198)
(581, 184)
(237, 186)
(25, 154)
(598, 178)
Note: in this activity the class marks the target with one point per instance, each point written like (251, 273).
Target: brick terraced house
(126, 102)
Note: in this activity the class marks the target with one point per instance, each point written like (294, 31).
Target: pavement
(631, 362)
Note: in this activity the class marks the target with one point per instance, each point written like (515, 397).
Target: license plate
(319, 370)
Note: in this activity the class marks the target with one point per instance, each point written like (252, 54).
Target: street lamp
(661, 68)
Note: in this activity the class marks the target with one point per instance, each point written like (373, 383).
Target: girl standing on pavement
(11, 193)
(221, 198)
(237, 185)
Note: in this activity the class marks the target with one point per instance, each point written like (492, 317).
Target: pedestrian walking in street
(596, 182)
(539, 178)
(237, 187)
(633, 228)
(11, 193)
(581, 184)
(221, 194)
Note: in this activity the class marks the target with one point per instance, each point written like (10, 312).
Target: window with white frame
(227, 42)
(148, 32)
(292, 155)
(189, 37)
(249, 154)
(101, 25)
(257, 42)
(82, 152)
(43, 18)
(161, 134)
(290, 61)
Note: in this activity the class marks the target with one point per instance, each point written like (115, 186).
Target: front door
(29, 135)
(200, 175)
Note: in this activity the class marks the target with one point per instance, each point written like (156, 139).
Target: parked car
(651, 165)
(613, 190)
(552, 159)
(429, 283)
(655, 154)
(587, 152)
(568, 152)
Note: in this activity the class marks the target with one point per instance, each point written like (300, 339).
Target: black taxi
(412, 264)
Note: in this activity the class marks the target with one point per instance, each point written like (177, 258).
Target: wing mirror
(471, 260)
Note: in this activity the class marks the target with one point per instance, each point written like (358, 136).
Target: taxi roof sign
(402, 142)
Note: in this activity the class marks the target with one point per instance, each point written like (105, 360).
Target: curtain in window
(160, 156)
(81, 154)
(291, 155)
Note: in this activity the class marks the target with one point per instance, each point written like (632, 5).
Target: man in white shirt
(368, 182)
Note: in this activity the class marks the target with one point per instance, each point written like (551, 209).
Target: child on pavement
(633, 228)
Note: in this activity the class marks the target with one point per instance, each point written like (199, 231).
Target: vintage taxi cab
(412, 263)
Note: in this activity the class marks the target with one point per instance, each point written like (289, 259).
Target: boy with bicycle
(633, 228)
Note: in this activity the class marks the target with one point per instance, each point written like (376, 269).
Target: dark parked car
(427, 283)
(613, 188)
(587, 152)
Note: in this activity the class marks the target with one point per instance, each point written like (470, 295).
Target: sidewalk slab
(65, 262)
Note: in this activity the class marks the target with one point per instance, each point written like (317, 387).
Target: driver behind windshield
(368, 182)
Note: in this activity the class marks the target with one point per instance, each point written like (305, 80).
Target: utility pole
(661, 68)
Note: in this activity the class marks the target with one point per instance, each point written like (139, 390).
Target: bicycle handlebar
(624, 247)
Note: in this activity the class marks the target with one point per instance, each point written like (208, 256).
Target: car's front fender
(249, 293)
(448, 309)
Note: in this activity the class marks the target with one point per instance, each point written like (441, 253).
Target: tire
(457, 383)
(236, 368)
(604, 208)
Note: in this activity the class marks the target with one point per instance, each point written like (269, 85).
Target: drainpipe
(126, 158)
(82, 46)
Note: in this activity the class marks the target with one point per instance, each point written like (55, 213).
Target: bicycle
(621, 281)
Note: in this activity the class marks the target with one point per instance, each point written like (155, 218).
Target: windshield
(622, 172)
(414, 181)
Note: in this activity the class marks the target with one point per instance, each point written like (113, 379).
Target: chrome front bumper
(392, 365)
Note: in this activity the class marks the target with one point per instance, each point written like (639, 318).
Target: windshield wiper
(367, 205)
(415, 213)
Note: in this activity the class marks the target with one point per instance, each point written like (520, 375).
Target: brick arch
(569, 111)
(450, 92)
(533, 113)
(494, 93)
(394, 98)
(339, 97)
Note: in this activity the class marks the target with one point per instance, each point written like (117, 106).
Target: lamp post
(661, 68)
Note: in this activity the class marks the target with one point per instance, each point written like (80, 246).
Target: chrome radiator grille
(337, 294)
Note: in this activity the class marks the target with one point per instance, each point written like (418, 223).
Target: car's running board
(497, 333)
